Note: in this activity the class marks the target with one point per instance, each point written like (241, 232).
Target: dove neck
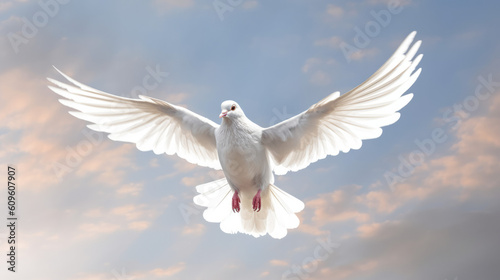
(238, 122)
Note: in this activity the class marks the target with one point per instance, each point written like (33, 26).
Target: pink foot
(236, 202)
(256, 203)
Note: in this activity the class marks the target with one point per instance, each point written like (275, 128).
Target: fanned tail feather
(275, 217)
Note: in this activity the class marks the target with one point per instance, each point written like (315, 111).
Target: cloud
(139, 225)
(310, 63)
(181, 167)
(7, 5)
(133, 212)
(345, 271)
(52, 152)
(28, 105)
(332, 42)
(201, 176)
(466, 172)
(340, 202)
(170, 271)
(310, 228)
(194, 229)
(156, 273)
(320, 78)
(334, 11)
(132, 189)
(330, 208)
(27, 142)
(264, 274)
(370, 230)
(136, 217)
(177, 98)
(108, 162)
(93, 229)
(460, 228)
(474, 164)
(461, 242)
(363, 53)
(382, 201)
(193, 181)
(4, 6)
(314, 67)
(278, 263)
(467, 169)
(154, 163)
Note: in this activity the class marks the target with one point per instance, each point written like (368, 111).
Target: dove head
(231, 110)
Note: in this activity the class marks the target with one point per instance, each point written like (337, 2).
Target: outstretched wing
(339, 123)
(150, 123)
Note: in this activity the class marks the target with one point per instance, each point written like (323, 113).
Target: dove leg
(256, 203)
(236, 202)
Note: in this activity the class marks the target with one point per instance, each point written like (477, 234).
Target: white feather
(152, 124)
(276, 216)
(339, 123)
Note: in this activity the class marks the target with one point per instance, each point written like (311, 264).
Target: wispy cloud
(278, 263)
(332, 42)
(334, 11)
(170, 271)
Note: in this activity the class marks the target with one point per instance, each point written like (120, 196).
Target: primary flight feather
(247, 200)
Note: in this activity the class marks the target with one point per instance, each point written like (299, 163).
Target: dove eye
(233, 107)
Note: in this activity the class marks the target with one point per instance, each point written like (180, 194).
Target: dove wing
(339, 123)
(150, 123)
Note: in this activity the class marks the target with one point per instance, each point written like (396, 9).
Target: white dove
(247, 200)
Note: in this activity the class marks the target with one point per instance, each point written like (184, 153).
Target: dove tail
(277, 213)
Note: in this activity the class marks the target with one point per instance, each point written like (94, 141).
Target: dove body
(242, 156)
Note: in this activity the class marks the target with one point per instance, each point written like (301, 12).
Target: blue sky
(117, 213)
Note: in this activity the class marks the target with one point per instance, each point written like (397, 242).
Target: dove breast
(243, 158)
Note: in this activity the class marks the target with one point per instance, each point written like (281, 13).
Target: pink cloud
(170, 271)
(470, 166)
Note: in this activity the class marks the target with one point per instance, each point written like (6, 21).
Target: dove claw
(257, 203)
(236, 202)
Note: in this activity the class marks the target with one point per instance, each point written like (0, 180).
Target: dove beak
(223, 114)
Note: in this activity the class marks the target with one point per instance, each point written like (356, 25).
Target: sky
(419, 202)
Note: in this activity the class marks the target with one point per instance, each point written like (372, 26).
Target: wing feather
(340, 122)
(152, 124)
